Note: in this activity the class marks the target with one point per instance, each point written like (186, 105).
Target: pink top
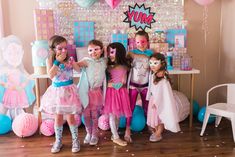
(118, 74)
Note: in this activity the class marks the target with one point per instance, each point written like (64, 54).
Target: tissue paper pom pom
(47, 127)
(103, 122)
(25, 125)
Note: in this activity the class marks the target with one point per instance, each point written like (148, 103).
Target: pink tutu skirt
(117, 102)
(95, 97)
(61, 100)
(15, 99)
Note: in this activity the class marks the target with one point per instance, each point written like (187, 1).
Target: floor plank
(217, 142)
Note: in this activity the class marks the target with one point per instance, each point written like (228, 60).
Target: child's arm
(133, 55)
(53, 67)
(82, 63)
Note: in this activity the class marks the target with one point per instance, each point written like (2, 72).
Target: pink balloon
(204, 2)
(113, 3)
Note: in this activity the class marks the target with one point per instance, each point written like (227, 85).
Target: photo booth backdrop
(169, 15)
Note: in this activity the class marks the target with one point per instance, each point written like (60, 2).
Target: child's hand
(60, 56)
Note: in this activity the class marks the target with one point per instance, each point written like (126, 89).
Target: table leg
(191, 101)
(178, 80)
(37, 89)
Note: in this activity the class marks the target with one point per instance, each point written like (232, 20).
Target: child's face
(112, 54)
(61, 50)
(94, 51)
(141, 42)
(154, 64)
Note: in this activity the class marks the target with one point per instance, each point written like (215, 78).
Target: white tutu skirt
(61, 100)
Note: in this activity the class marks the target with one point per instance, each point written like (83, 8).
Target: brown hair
(143, 33)
(97, 43)
(53, 42)
(163, 68)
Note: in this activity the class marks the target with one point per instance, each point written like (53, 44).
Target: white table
(171, 72)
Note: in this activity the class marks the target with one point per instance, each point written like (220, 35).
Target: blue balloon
(201, 115)
(83, 121)
(6, 124)
(196, 108)
(122, 122)
(138, 110)
(138, 122)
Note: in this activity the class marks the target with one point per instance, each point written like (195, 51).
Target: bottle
(169, 60)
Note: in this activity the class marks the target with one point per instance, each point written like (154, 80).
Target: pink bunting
(113, 3)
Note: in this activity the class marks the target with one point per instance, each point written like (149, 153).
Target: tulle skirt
(95, 98)
(117, 102)
(15, 99)
(61, 100)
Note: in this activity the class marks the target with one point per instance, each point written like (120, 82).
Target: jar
(40, 52)
(186, 62)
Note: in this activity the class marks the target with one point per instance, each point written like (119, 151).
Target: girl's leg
(87, 121)
(133, 93)
(3, 110)
(94, 116)
(143, 95)
(157, 134)
(58, 133)
(114, 129)
(74, 132)
(159, 130)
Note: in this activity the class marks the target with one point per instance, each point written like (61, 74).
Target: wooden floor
(215, 143)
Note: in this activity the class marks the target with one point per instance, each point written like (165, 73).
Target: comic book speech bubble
(139, 17)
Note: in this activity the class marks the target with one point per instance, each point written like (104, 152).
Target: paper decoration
(83, 33)
(171, 33)
(85, 3)
(139, 17)
(159, 47)
(44, 24)
(121, 38)
(179, 41)
(131, 44)
(40, 52)
(113, 3)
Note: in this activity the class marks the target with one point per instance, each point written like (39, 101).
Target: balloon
(122, 122)
(47, 127)
(25, 125)
(103, 122)
(204, 2)
(113, 3)
(85, 3)
(201, 115)
(196, 108)
(5, 122)
(138, 122)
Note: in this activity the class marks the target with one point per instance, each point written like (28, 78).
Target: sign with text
(139, 17)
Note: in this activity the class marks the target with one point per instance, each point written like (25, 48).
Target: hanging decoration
(204, 2)
(139, 17)
(113, 3)
(85, 3)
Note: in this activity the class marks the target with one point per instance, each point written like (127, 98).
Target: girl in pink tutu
(117, 101)
(162, 113)
(61, 97)
(91, 81)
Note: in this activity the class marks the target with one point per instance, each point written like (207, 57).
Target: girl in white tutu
(61, 97)
(162, 113)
